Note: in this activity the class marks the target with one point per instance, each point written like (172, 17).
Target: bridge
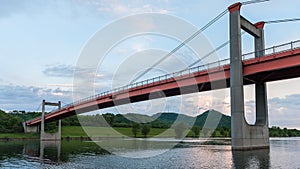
(261, 66)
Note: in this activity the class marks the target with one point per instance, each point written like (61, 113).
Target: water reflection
(137, 148)
(50, 151)
(251, 159)
(45, 152)
(192, 153)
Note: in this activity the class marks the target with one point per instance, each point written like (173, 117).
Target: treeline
(12, 123)
(278, 132)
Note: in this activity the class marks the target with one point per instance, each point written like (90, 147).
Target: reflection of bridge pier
(43, 151)
(31, 149)
(251, 159)
(50, 144)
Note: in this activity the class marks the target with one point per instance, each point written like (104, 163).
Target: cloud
(69, 70)
(15, 97)
(283, 111)
(33, 8)
(117, 7)
(59, 71)
(61, 85)
(86, 81)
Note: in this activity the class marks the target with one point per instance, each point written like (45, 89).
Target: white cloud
(15, 97)
(119, 8)
(283, 112)
(138, 47)
(61, 85)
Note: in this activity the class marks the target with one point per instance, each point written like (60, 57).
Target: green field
(19, 135)
(78, 131)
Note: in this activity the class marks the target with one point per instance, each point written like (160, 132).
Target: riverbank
(80, 133)
(193, 153)
(84, 133)
(18, 136)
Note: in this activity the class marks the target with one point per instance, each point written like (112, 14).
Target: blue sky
(41, 42)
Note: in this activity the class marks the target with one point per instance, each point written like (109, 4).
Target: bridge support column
(245, 136)
(50, 136)
(30, 129)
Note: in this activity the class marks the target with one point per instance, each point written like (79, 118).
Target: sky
(43, 42)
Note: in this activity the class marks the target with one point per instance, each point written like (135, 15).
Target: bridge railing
(186, 72)
(152, 81)
(190, 71)
(274, 49)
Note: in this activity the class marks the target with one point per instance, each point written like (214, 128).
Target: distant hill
(209, 119)
(171, 118)
(139, 118)
(214, 118)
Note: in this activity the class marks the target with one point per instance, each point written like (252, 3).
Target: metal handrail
(286, 46)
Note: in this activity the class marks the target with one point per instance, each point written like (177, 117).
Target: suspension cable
(210, 53)
(283, 20)
(213, 51)
(182, 44)
(38, 108)
(253, 2)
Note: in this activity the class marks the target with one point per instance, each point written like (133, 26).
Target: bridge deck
(272, 67)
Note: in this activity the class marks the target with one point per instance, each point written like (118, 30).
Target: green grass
(78, 131)
(19, 135)
(153, 132)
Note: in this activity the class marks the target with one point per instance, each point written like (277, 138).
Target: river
(190, 153)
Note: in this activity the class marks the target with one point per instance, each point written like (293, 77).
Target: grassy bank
(78, 131)
(20, 135)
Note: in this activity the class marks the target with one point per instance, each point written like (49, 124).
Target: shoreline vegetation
(78, 133)
(161, 125)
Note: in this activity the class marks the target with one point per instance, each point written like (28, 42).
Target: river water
(190, 153)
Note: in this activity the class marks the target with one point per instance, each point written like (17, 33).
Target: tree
(196, 130)
(145, 130)
(179, 129)
(205, 132)
(135, 128)
(9, 123)
(109, 117)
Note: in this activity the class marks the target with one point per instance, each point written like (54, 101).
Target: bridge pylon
(245, 136)
(49, 136)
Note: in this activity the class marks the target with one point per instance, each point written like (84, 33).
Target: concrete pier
(50, 136)
(245, 136)
(30, 129)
